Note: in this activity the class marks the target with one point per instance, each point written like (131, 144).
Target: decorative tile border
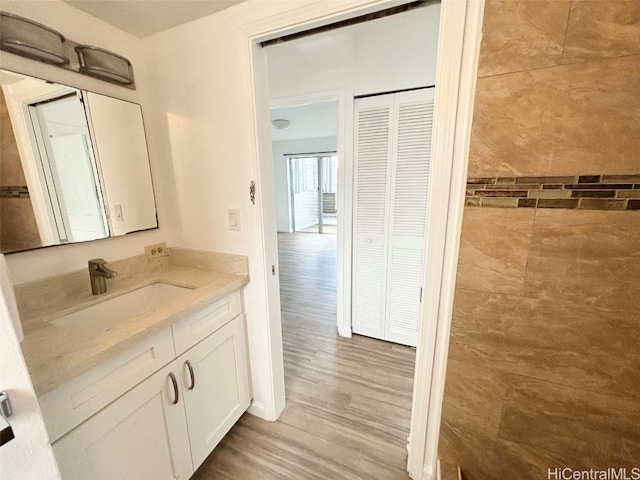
(14, 192)
(586, 192)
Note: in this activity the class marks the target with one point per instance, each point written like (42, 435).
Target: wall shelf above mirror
(74, 165)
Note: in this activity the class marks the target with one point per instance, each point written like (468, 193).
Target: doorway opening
(460, 33)
(305, 154)
(67, 168)
(327, 369)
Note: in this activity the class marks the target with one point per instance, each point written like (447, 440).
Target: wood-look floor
(348, 400)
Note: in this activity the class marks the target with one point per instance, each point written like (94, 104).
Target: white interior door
(372, 151)
(77, 187)
(392, 155)
(413, 115)
(69, 168)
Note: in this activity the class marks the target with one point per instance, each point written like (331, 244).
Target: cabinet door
(216, 387)
(142, 436)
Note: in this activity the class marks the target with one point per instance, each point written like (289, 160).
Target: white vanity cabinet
(166, 424)
(142, 436)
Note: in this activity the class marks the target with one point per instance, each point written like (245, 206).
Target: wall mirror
(74, 165)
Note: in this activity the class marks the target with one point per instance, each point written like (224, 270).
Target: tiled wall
(18, 228)
(544, 358)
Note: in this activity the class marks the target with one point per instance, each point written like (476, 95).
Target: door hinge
(252, 192)
(5, 405)
(420, 294)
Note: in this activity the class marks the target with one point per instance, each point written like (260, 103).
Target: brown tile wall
(544, 358)
(545, 109)
(18, 228)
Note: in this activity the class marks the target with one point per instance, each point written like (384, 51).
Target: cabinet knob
(176, 394)
(191, 375)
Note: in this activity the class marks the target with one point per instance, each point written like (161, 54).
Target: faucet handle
(97, 262)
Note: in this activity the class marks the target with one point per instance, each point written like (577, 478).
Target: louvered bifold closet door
(372, 151)
(413, 117)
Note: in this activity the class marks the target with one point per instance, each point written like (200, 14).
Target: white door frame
(344, 151)
(456, 73)
(18, 98)
(456, 70)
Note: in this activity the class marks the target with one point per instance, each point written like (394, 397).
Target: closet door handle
(191, 375)
(176, 395)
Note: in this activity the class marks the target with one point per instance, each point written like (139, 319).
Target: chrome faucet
(98, 274)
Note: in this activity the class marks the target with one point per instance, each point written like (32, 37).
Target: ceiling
(307, 121)
(142, 18)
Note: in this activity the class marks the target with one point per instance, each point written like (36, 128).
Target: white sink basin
(105, 315)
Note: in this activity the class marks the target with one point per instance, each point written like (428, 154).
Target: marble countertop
(56, 354)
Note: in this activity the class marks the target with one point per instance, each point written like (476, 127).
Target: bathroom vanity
(144, 381)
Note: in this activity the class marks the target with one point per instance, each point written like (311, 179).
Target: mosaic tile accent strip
(585, 192)
(14, 192)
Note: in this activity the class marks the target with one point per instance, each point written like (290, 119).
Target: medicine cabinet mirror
(74, 165)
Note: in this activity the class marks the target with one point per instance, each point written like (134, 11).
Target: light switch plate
(156, 250)
(234, 219)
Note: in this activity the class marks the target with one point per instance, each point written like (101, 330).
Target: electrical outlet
(156, 250)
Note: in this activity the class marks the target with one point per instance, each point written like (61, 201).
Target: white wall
(83, 28)
(201, 118)
(28, 456)
(391, 53)
(360, 58)
(280, 149)
(118, 134)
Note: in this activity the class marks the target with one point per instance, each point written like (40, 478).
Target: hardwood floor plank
(325, 457)
(359, 442)
(348, 400)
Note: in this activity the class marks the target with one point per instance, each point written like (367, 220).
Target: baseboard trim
(344, 331)
(427, 473)
(257, 409)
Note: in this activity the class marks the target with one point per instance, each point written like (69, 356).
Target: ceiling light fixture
(27, 38)
(281, 123)
(105, 65)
